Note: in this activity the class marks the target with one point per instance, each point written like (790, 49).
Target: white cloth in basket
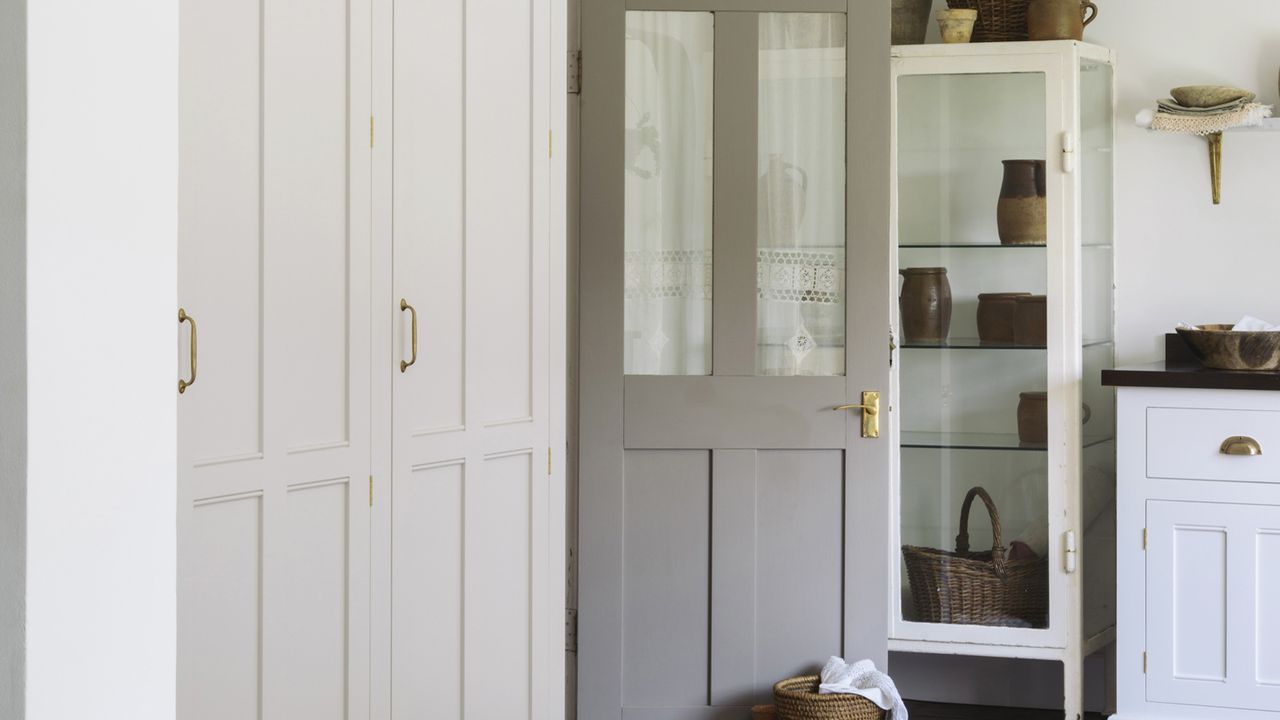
(862, 678)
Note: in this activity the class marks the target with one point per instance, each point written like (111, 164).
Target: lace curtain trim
(807, 277)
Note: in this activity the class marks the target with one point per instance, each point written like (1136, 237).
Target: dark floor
(937, 711)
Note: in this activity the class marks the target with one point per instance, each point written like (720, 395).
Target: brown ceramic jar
(1033, 417)
(1030, 321)
(1021, 213)
(1059, 19)
(995, 316)
(925, 305)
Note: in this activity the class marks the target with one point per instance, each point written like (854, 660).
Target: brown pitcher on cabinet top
(1059, 19)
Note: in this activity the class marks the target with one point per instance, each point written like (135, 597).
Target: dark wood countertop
(1180, 369)
(1184, 375)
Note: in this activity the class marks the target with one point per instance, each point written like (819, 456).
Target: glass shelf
(976, 344)
(982, 441)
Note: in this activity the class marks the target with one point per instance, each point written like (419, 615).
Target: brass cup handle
(413, 314)
(184, 384)
(1240, 445)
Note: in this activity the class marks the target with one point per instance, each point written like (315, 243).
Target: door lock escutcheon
(870, 407)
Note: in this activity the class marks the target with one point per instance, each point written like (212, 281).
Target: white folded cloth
(862, 678)
(1249, 323)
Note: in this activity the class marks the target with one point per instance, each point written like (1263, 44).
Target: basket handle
(997, 533)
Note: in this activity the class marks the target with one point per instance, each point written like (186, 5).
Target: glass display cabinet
(1004, 235)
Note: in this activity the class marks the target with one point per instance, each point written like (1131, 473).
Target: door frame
(870, 294)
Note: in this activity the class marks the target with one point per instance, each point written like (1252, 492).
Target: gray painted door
(734, 290)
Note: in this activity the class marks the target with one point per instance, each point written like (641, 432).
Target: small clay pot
(1021, 214)
(956, 25)
(995, 316)
(1059, 19)
(1030, 320)
(1033, 417)
(925, 305)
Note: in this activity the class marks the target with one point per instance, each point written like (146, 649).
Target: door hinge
(1144, 662)
(548, 461)
(1070, 557)
(370, 491)
(1068, 152)
(571, 630)
(370, 131)
(574, 82)
(893, 346)
(1144, 538)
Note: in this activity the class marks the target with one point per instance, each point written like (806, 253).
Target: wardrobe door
(274, 451)
(468, 521)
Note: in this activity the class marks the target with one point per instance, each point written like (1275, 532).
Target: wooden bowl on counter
(1221, 348)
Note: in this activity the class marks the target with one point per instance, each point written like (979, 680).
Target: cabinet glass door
(975, 336)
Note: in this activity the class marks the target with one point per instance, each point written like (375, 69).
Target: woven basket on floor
(798, 699)
(998, 20)
(977, 588)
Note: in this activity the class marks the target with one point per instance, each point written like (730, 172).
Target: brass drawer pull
(1240, 445)
(184, 384)
(413, 314)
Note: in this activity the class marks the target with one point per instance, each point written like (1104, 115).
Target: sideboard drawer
(1185, 444)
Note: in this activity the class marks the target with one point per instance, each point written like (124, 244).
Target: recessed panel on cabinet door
(667, 574)
(499, 576)
(499, 207)
(426, 602)
(1267, 636)
(315, 565)
(219, 226)
(306, 214)
(429, 229)
(223, 611)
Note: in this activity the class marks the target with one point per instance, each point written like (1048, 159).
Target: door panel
(467, 559)
(720, 494)
(666, 571)
(273, 515)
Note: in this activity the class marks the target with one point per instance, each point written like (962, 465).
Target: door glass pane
(668, 193)
(800, 230)
(974, 364)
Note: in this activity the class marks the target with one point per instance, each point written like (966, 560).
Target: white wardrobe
(371, 359)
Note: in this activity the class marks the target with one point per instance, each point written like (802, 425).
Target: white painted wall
(1178, 257)
(13, 355)
(101, 348)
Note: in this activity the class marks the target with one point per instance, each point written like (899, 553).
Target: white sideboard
(1198, 559)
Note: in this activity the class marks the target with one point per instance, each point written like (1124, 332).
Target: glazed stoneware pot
(1059, 19)
(1030, 320)
(925, 305)
(1021, 211)
(910, 21)
(995, 316)
(1033, 417)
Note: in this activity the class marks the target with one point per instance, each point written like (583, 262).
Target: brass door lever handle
(870, 407)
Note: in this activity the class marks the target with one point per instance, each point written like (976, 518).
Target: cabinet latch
(1069, 555)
